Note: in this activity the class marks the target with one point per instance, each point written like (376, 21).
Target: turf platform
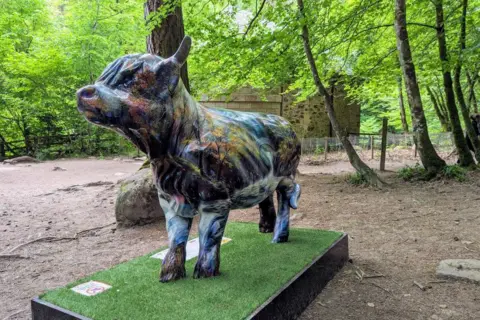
(258, 280)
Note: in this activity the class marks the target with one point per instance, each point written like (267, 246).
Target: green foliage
(356, 179)
(49, 49)
(319, 150)
(455, 173)
(412, 173)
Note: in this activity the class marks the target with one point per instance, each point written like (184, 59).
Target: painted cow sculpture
(205, 161)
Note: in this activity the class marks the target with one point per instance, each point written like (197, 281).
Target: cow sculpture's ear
(182, 53)
(168, 70)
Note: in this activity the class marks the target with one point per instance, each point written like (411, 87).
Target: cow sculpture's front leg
(178, 227)
(211, 228)
(267, 215)
(288, 193)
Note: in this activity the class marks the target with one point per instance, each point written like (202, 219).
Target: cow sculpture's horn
(182, 53)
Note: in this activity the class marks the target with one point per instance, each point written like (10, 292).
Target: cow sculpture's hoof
(172, 275)
(280, 239)
(266, 229)
(173, 266)
(207, 266)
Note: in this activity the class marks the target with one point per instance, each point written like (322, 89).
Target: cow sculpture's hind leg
(173, 266)
(267, 215)
(211, 228)
(288, 193)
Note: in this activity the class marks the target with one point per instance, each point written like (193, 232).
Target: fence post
(326, 147)
(372, 141)
(2, 151)
(384, 144)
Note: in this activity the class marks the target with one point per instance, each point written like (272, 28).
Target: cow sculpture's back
(205, 161)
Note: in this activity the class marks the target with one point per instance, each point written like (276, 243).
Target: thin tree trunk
(465, 157)
(402, 106)
(441, 105)
(429, 157)
(355, 160)
(472, 99)
(166, 37)
(472, 135)
(438, 112)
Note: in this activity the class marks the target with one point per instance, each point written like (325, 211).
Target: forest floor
(400, 233)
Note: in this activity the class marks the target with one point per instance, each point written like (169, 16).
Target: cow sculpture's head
(476, 122)
(134, 92)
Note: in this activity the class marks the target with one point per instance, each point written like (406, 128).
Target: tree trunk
(402, 106)
(441, 106)
(364, 170)
(166, 37)
(465, 157)
(458, 86)
(472, 99)
(429, 157)
(438, 112)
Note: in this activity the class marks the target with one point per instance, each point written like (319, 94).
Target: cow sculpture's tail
(293, 201)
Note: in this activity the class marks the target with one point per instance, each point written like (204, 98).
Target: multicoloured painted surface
(205, 161)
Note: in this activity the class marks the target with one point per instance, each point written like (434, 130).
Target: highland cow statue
(205, 161)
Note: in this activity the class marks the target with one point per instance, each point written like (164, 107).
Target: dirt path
(401, 233)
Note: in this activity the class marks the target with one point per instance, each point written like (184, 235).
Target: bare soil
(398, 235)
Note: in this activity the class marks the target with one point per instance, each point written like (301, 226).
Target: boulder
(467, 269)
(137, 200)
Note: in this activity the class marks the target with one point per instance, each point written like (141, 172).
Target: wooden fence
(11, 149)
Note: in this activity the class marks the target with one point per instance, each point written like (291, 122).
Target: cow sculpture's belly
(237, 160)
(254, 193)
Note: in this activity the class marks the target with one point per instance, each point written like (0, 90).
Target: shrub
(356, 179)
(409, 173)
(455, 172)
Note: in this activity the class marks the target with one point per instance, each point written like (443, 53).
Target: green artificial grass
(252, 270)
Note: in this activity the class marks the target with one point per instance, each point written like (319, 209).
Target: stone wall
(308, 118)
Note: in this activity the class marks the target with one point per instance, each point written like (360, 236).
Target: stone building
(309, 117)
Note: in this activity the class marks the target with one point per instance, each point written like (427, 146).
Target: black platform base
(287, 303)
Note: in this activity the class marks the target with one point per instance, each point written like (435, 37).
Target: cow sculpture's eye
(126, 77)
(126, 81)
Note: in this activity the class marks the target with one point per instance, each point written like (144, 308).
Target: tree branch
(250, 25)
(421, 25)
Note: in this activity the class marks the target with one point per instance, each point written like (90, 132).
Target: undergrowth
(410, 173)
(453, 172)
(356, 179)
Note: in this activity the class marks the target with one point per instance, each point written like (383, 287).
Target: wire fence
(368, 146)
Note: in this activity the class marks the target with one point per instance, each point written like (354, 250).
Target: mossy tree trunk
(165, 38)
(401, 105)
(429, 157)
(364, 170)
(472, 99)
(472, 135)
(438, 111)
(465, 157)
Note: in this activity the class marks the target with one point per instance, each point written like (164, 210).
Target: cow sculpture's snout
(86, 92)
(84, 98)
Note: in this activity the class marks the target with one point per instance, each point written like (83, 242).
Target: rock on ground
(22, 159)
(137, 200)
(468, 269)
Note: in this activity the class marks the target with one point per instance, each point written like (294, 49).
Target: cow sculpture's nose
(87, 92)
